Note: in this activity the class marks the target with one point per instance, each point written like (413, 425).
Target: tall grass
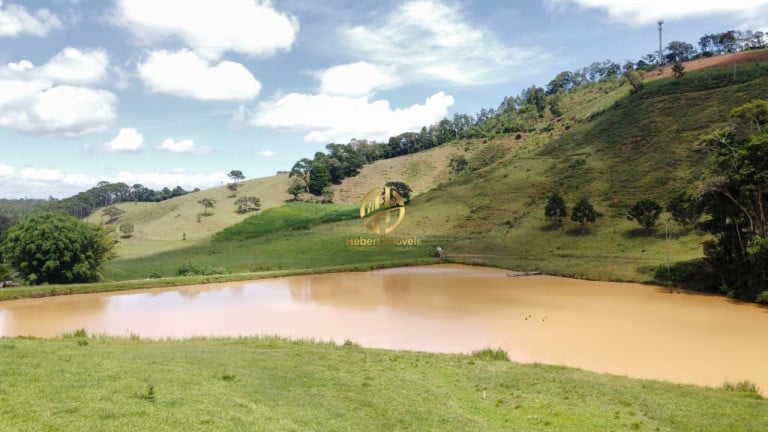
(289, 217)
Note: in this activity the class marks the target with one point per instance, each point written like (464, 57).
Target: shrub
(51, 247)
(491, 354)
(747, 387)
(190, 269)
(762, 298)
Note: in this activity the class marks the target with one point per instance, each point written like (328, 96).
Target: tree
(535, 97)
(645, 212)
(402, 189)
(564, 81)
(555, 209)
(5, 223)
(554, 104)
(678, 51)
(684, 208)
(233, 187)
(296, 188)
(319, 178)
(51, 247)
(126, 229)
(583, 212)
(248, 204)
(207, 203)
(236, 175)
(6, 273)
(734, 194)
(634, 79)
(678, 70)
(301, 169)
(113, 213)
(328, 194)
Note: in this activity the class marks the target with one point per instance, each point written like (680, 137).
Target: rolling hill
(610, 145)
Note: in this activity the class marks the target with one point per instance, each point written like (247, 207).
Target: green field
(95, 384)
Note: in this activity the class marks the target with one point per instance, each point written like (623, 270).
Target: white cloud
(357, 79)
(71, 66)
(39, 107)
(211, 28)
(183, 146)
(159, 180)
(127, 140)
(15, 20)
(43, 175)
(40, 183)
(329, 118)
(32, 182)
(637, 12)
(266, 153)
(429, 40)
(185, 74)
(6, 170)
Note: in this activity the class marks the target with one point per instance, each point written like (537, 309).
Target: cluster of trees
(583, 211)
(682, 207)
(735, 196)
(18, 208)
(340, 161)
(730, 41)
(106, 194)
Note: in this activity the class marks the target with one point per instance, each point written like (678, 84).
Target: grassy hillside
(641, 146)
(421, 171)
(163, 226)
(269, 384)
(610, 146)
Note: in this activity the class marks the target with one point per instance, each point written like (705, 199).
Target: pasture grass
(616, 149)
(270, 384)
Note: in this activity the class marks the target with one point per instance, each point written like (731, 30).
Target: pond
(626, 329)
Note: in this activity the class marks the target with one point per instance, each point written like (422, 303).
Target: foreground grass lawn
(79, 383)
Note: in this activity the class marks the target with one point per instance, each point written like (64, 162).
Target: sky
(181, 92)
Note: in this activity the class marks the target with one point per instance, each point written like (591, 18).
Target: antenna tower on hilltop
(661, 59)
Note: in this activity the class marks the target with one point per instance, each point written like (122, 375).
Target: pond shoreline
(601, 326)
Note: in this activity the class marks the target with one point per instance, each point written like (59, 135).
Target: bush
(693, 275)
(190, 269)
(51, 247)
(497, 354)
(747, 387)
(762, 298)
(126, 229)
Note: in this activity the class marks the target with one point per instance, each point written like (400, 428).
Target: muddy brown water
(626, 329)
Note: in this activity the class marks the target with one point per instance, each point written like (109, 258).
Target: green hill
(610, 145)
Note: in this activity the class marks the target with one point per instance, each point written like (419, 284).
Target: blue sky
(180, 92)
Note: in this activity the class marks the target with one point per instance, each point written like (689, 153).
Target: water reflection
(619, 328)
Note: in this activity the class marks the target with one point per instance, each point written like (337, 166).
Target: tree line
(105, 194)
